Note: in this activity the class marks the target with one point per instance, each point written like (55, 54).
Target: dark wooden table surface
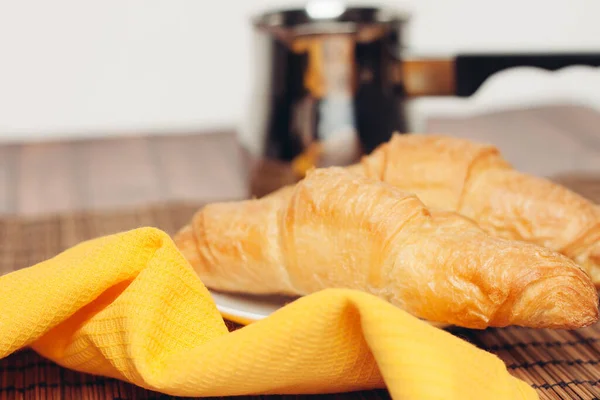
(39, 178)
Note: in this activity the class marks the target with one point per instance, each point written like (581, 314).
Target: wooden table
(57, 178)
(39, 178)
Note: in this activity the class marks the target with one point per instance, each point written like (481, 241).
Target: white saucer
(245, 309)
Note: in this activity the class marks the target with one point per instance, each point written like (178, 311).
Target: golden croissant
(340, 230)
(474, 180)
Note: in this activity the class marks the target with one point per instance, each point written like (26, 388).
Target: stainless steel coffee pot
(330, 83)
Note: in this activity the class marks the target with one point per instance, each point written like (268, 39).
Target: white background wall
(76, 67)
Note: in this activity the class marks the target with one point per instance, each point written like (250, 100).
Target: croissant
(474, 180)
(335, 229)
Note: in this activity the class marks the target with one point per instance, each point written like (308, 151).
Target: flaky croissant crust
(336, 229)
(474, 180)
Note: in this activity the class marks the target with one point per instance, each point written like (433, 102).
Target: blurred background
(73, 68)
(145, 93)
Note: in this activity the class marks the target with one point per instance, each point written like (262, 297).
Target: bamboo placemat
(559, 364)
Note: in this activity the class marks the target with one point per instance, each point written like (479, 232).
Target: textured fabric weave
(129, 306)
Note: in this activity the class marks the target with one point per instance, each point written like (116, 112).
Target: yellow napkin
(129, 306)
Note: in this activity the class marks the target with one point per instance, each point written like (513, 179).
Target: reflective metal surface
(325, 90)
(331, 83)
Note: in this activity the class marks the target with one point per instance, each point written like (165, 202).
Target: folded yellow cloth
(129, 306)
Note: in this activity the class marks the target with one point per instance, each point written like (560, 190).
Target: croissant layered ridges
(233, 246)
(434, 166)
(474, 180)
(338, 229)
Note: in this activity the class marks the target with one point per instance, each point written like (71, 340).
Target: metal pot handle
(462, 75)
